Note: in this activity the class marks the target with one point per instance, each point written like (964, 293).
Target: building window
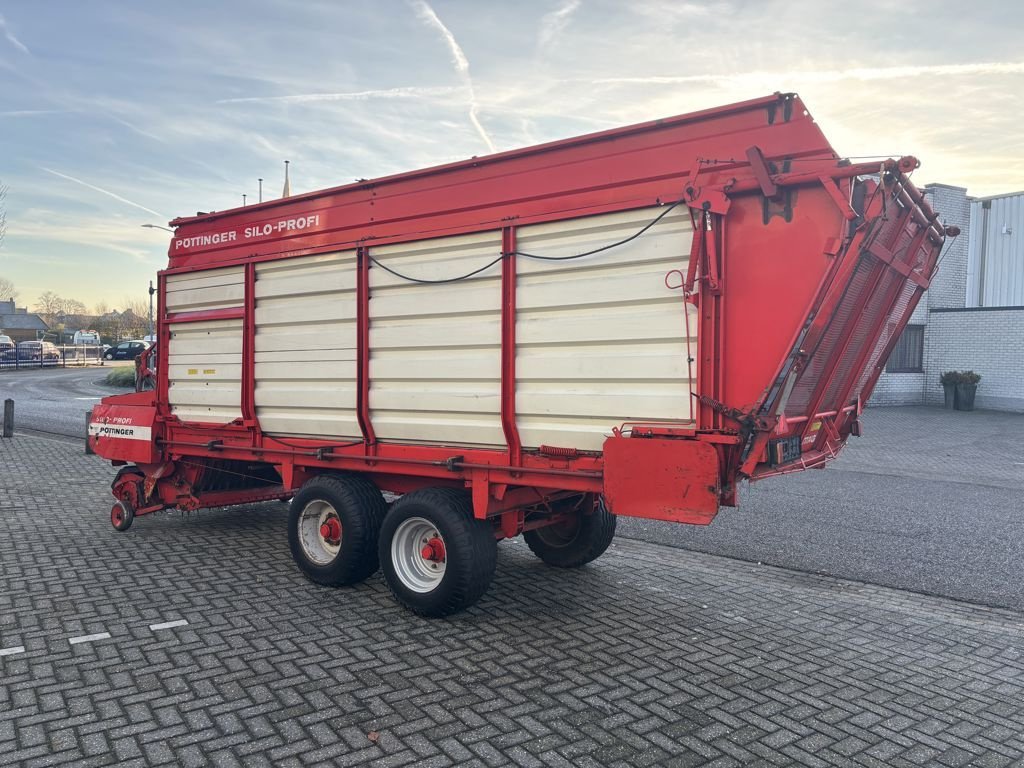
(908, 354)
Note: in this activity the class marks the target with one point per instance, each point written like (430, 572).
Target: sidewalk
(650, 656)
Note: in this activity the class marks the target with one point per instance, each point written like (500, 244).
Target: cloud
(116, 235)
(106, 192)
(385, 93)
(554, 23)
(426, 13)
(11, 38)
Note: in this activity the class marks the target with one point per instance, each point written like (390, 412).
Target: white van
(86, 337)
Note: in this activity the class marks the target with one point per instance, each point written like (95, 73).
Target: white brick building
(972, 317)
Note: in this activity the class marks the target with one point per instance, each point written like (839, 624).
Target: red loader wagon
(533, 342)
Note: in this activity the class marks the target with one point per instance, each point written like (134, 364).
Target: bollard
(88, 448)
(8, 418)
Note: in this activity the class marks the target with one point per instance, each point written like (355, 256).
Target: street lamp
(152, 290)
(156, 226)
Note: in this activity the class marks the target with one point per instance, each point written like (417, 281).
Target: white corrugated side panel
(208, 289)
(435, 365)
(205, 370)
(205, 358)
(305, 347)
(601, 340)
(1004, 254)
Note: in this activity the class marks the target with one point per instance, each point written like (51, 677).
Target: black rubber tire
(124, 520)
(108, 357)
(590, 540)
(471, 551)
(360, 507)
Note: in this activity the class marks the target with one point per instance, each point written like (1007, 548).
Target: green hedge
(122, 376)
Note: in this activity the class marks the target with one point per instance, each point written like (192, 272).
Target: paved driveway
(928, 500)
(193, 640)
(53, 401)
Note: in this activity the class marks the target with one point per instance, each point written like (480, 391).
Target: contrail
(12, 39)
(552, 24)
(828, 76)
(133, 127)
(302, 98)
(105, 192)
(425, 12)
(32, 112)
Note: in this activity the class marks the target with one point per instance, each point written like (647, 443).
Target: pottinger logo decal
(297, 224)
(121, 428)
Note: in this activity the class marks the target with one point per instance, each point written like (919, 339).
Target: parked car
(7, 348)
(126, 350)
(38, 351)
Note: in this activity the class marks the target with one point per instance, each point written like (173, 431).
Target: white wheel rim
(314, 545)
(416, 572)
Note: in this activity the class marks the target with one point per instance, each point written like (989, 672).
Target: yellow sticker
(209, 370)
(815, 426)
(193, 371)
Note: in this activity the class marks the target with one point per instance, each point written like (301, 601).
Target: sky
(117, 113)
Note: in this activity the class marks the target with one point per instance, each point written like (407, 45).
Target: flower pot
(949, 390)
(965, 396)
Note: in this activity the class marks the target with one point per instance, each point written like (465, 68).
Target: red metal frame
(739, 403)
(508, 346)
(248, 384)
(363, 348)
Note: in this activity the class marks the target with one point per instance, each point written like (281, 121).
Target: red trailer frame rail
(803, 270)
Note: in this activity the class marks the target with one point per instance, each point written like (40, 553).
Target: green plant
(969, 377)
(949, 377)
(121, 376)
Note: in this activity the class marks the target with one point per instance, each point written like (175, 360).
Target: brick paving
(650, 656)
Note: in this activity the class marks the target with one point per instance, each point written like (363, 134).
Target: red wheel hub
(116, 514)
(331, 530)
(433, 551)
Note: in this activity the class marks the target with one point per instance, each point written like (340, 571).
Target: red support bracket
(512, 523)
(480, 490)
(760, 168)
(704, 251)
(696, 253)
(711, 259)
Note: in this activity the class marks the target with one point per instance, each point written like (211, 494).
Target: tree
(135, 318)
(138, 307)
(7, 289)
(74, 307)
(56, 309)
(49, 305)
